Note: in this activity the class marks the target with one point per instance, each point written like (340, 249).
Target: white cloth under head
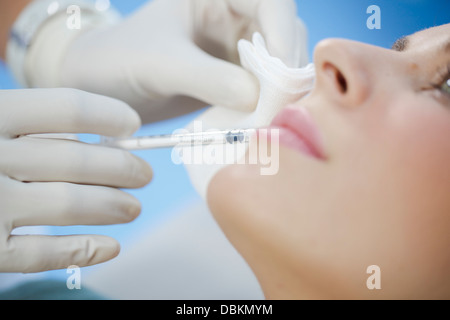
(279, 86)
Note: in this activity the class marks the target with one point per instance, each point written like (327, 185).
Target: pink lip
(298, 131)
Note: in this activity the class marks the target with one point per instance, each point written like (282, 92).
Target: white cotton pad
(279, 86)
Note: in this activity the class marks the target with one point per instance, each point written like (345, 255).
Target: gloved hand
(50, 181)
(183, 47)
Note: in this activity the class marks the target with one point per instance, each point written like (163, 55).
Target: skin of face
(380, 197)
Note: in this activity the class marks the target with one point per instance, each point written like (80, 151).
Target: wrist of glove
(43, 33)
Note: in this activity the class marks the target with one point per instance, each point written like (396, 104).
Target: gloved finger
(51, 160)
(41, 253)
(64, 111)
(215, 81)
(278, 22)
(65, 204)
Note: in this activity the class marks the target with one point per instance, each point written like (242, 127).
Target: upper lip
(298, 120)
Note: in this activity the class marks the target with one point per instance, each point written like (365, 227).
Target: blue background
(171, 190)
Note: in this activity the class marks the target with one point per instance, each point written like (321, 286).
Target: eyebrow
(401, 44)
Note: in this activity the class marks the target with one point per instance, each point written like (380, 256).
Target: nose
(343, 70)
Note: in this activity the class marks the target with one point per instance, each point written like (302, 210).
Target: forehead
(436, 38)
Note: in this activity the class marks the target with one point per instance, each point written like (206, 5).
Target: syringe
(180, 140)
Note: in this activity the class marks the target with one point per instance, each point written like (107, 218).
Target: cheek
(415, 139)
(402, 146)
(411, 157)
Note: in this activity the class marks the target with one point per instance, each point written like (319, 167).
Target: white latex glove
(53, 181)
(172, 48)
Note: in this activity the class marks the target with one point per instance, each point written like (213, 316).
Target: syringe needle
(180, 140)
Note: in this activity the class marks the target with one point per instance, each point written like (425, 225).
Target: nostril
(337, 77)
(341, 82)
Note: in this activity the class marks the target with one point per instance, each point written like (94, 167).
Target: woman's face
(378, 195)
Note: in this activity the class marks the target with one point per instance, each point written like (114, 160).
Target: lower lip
(290, 139)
